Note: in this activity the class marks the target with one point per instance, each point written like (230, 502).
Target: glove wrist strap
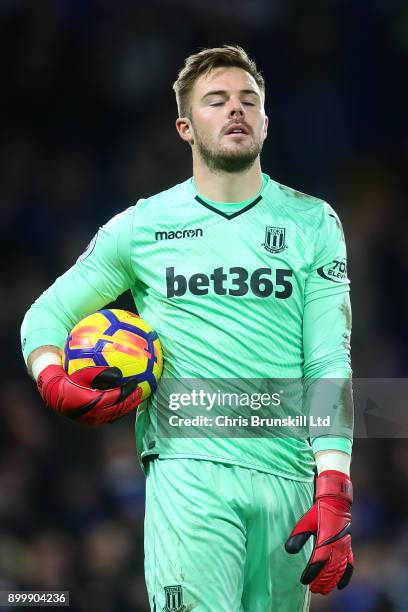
(334, 484)
(50, 372)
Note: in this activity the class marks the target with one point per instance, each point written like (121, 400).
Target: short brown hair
(227, 56)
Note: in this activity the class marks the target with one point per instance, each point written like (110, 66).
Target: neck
(226, 186)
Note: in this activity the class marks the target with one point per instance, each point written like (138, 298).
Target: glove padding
(329, 520)
(93, 395)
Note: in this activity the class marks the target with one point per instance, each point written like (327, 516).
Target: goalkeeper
(242, 278)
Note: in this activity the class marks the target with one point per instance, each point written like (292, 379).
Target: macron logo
(187, 233)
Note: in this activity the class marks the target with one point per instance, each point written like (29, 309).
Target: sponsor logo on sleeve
(335, 271)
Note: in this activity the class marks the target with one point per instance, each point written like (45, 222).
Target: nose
(236, 108)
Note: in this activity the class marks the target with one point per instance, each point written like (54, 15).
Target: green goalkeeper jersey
(255, 289)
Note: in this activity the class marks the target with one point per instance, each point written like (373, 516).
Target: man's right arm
(97, 278)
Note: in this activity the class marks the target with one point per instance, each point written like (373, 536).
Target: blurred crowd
(87, 128)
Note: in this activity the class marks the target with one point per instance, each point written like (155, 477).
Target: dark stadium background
(87, 127)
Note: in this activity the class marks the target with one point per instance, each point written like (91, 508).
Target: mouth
(237, 130)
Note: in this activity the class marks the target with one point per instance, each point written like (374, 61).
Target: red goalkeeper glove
(329, 520)
(92, 395)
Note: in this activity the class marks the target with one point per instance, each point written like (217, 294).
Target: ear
(185, 129)
(266, 126)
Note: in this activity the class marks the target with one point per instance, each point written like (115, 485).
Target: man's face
(228, 122)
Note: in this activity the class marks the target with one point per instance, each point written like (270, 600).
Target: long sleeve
(326, 336)
(99, 276)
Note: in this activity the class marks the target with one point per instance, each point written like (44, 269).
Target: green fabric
(230, 206)
(332, 443)
(244, 311)
(217, 534)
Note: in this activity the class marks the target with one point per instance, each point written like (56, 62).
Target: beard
(226, 160)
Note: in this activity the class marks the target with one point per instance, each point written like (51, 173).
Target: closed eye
(221, 103)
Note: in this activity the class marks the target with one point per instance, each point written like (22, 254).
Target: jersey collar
(229, 210)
